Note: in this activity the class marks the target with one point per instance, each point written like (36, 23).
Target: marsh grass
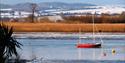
(64, 27)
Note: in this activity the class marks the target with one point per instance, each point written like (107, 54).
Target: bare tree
(33, 10)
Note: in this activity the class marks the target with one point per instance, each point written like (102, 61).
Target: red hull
(88, 45)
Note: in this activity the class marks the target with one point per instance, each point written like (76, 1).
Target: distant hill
(47, 5)
(5, 6)
(22, 6)
(63, 5)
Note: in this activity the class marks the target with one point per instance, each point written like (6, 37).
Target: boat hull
(89, 45)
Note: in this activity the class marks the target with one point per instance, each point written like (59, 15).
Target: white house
(10, 13)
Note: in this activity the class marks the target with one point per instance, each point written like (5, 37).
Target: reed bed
(65, 27)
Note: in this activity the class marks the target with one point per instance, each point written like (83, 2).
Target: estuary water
(62, 46)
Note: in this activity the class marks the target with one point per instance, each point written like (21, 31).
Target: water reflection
(66, 50)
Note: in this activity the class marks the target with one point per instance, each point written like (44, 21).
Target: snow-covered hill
(93, 9)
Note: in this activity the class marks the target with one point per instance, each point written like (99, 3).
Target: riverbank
(64, 27)
(67, 36)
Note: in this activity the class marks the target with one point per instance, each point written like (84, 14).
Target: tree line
(103, 18)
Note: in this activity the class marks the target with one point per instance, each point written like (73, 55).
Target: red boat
(89, 45)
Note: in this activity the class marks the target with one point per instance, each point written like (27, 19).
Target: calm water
(65, 49)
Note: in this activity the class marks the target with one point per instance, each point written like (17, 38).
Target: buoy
(113, 51)
(104, 54)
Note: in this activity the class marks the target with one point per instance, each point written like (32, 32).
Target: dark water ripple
(83, 61)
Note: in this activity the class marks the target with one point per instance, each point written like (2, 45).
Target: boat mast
(93, 20)
(79, 36)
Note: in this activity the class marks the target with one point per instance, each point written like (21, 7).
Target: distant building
(98, 9)
(10, 13)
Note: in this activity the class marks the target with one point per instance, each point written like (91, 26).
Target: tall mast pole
(79, 36)
(93, 20)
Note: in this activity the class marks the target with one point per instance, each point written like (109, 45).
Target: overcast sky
(97, 2)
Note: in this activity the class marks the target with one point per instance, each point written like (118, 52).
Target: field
(64, 27)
